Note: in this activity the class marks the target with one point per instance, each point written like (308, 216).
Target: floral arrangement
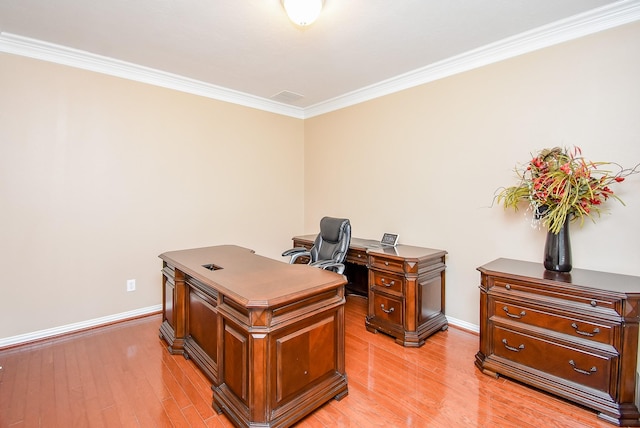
(560, 185)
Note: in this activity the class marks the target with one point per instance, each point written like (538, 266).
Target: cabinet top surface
(251, 279)
(577, 277)
(372, 246)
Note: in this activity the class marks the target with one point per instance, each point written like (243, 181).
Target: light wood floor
(122, 375)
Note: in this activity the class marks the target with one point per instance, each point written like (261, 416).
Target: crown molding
(603, 18)
(37, 49)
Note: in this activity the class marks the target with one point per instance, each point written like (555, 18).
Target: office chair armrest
(295, 253)
(330, 265)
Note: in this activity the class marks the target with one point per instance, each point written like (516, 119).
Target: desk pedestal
(405, 286)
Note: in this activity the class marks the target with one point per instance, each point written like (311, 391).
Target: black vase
(557, 250)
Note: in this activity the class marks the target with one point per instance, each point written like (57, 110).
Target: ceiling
(250, 49)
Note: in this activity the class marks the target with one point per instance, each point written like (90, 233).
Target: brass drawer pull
(386, 311)
(384, 282)
(584, 372)
(511, 348)
(585, 333)
(520, 315)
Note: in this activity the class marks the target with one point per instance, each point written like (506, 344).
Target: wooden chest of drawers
(571, 334)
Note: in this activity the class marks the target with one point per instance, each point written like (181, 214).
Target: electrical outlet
(131, 285)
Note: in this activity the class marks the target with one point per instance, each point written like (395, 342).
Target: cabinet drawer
(594, 370)
(387, 308)
(304, 243)
(386, 263)
(582, 298)
(574, 327)
(387, 282)
(358, 257)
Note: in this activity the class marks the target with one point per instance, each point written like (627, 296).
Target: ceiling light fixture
(303, 12)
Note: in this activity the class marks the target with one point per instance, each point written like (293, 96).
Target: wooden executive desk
(269, 335)
(405, 286)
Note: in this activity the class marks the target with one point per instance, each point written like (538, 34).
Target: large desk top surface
(250, 279)
(582, 278)
(372, 246)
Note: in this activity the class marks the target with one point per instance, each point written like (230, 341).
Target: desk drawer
(572, 326)
(358, 257)
(583, 298)
(387, 308)
(387, 282)
(386, 263)
(589, 368)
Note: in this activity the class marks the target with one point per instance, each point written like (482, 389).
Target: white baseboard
(463, 324)
(70, 328)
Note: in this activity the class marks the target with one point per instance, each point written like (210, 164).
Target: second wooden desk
(405, 286)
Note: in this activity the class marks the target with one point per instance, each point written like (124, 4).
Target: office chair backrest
(332, 243)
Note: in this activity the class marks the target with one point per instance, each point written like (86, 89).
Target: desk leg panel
(275, 377)
(172, 329)
(201, 343)
(175, 346)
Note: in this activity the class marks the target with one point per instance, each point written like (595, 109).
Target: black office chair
(330, 246)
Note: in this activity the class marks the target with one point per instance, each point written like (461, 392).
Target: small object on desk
(389, 239)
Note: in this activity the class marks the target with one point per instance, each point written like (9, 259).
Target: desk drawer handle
(511, 348)
(584, 372)
(384, 282)
(386, 263)
(585, 333)
(520, 315)
(594, 303)
(386, 311)
(508, 286)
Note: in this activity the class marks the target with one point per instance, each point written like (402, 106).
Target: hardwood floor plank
(218, 421)
(88, 390)
(202, 385)
(110, 417)
(48, 417)
(13, 389)
(192, 395)
(31, 411)
(193, 417)
(171, 383)
(60, 383)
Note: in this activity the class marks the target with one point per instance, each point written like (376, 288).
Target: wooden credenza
(269, 335)
(405, 286)
(571, 334)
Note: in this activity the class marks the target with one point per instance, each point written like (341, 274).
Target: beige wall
(425, 162)
(99, 175)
